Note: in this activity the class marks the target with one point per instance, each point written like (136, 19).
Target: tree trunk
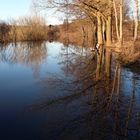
(136, 21)
(121, 21)
(108, 32)
(119, 29)
(104, 31)
(99, 29)
(116, 20)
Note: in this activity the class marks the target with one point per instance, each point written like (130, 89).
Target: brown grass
(28, 29)
(79, 32)
(129, 53)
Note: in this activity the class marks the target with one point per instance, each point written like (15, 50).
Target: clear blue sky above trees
(14, 8)
(18, 8)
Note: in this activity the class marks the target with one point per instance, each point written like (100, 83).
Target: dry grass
(129, 53)
(28, 29)
(79, 32)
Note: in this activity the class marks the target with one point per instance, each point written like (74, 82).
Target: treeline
(27, 29)
(108, 16)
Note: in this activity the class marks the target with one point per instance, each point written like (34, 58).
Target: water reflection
(83, 94)
(30, 54)
(26, 53)
(100, 98)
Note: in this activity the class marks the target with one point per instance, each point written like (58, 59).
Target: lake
(52, 91)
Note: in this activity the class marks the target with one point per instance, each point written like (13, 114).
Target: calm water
(51, 91)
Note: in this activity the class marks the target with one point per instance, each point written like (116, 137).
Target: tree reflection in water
(98, 85)
(30, 54)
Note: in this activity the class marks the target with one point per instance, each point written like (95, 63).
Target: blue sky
(18, 8)
(14, 8)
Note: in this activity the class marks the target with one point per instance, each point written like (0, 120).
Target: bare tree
(119, 29)
(136, 20)
(99, 9)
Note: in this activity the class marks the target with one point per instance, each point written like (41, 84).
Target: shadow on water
(81, 95)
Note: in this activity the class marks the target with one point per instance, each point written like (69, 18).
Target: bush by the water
(28, 29)
(4, 32)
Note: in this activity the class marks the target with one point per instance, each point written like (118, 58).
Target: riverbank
(127, 53)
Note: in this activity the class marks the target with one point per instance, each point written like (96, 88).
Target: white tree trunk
(99, 29)
(121, 21)
(136, 21)
(108, 32)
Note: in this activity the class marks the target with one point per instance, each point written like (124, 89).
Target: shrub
(29, 29)
(4, 32)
